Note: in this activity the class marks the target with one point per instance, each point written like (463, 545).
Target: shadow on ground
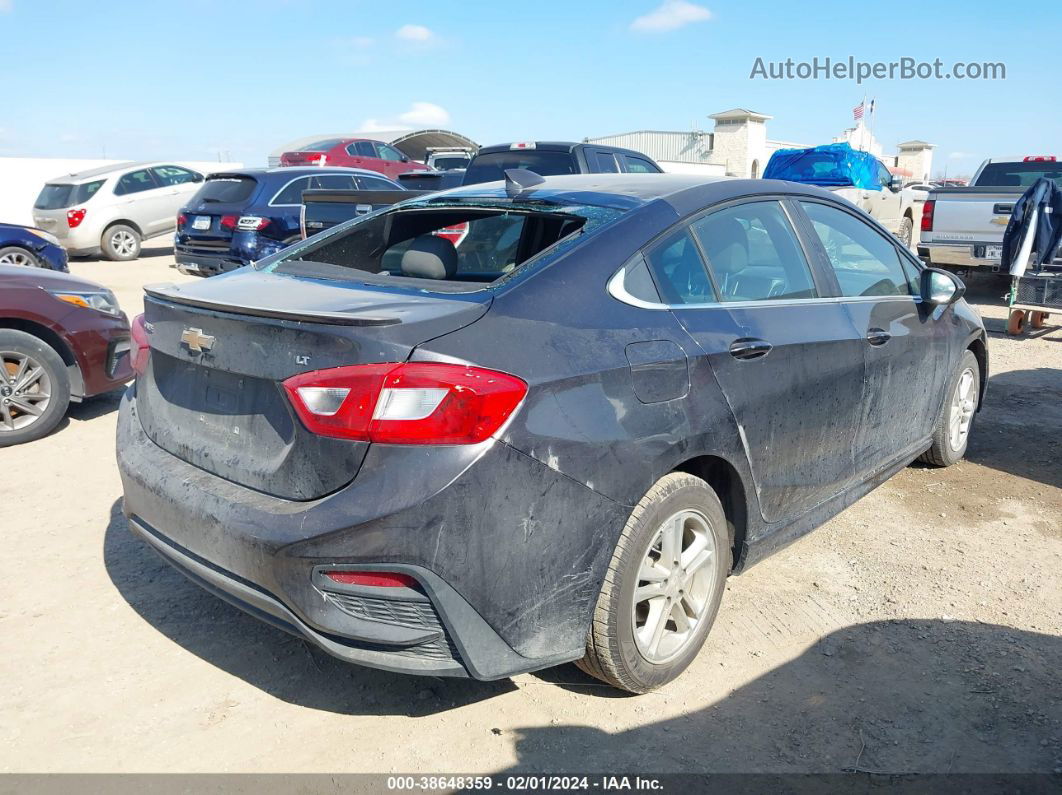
(280, 664)
(149, 249)
(1017, 429)
(886, 697)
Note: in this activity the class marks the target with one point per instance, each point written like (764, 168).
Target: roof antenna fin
(517, 180)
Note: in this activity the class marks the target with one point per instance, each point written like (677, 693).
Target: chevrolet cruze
(551, 444)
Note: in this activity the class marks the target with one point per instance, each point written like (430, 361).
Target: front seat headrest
(727, 245)
(430, 257)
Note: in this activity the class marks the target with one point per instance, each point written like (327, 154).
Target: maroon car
(61, 338)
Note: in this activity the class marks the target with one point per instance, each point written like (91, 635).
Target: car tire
(905, 233)
(120, 243)
(16, 427)
(16, 255)
(621, 647)
(951, 433)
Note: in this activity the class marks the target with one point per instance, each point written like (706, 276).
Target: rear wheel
(16, 255)
(34, 388)
(663, 587)
(951, 434)
(120, 243)
(906, 231)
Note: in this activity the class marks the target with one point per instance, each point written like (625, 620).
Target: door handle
(878, 336)
(747, 348)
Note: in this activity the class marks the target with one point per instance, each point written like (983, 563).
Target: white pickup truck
(962, 228)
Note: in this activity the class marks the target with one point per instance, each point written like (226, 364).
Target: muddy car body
(667, 422)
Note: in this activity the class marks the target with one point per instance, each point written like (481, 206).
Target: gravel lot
(919, 631)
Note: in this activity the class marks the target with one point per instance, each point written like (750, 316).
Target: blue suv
(238, 217)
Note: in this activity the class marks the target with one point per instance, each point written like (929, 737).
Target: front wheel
(16, 255)
(120, 243)
(951, 434)
(663, 587)
(34, 387)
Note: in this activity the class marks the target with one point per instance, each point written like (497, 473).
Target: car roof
(296, 171)
(553, 146)
(684, 192)
(102, 171)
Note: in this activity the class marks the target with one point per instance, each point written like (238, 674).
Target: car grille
(418, 615)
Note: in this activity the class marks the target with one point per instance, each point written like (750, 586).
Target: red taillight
(75, 217)
(182, 219)
(1040, 159)
(377, 579)
(455, 234)
(411, 403)
(927, 214)
(229, 221)
(141, 348)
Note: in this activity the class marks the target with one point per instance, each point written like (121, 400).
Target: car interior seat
(430, 257)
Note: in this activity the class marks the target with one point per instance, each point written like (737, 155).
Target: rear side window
(175, 175)
(376, 183)
(754, 253)
(135, 182)
(225, 190)
(639, 165)
(865, 262)
(606, 162)
(320, 146)
(492, 166)
(680, 271)
(59, 197)
(292, 192)
(332, 181)
(361, 149)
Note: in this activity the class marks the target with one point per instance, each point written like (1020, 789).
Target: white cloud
(6, 5)
(417, 33)
(960, 155)
(671, 15)
(375, 125)
(425, 113)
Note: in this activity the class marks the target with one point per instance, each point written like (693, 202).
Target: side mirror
(941, 288)
(895, 183)
(405, 159)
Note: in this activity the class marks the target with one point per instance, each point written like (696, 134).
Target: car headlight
(45, 235)
(100, 300)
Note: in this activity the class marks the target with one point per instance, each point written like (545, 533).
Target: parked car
(32, 247)
(551, 443)
(857, 176)
(449, 159)
(555, 157)
(962, 227)
(237, 217)
(322, 209)
(431, 180)
(353, 153)
(114, 209)
(62, 339)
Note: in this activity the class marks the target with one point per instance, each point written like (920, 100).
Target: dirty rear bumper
(509, 554)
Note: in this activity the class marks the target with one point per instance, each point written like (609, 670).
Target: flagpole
(863, 122)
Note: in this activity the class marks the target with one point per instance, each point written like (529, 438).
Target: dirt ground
(919, 631)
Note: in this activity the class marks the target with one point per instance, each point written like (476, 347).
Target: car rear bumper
(508, 553)
(101, 347)
(195, 264)
(957, 255)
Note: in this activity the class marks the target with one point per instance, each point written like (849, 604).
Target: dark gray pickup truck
(322, 209)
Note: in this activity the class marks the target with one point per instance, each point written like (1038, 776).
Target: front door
(904, 344)
(789, 362)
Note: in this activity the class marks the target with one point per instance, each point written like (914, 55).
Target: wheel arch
(56, 343)
(133, 224)
(980, 351)
(728, 485)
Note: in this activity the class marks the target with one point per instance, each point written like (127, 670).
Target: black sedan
(552, 442)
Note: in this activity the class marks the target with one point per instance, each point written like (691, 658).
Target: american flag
(857, 111)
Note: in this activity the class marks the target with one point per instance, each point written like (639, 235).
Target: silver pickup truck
(962, 228)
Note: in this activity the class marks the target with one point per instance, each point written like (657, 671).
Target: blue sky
(192, 79)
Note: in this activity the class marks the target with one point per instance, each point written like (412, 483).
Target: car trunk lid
(223, 408)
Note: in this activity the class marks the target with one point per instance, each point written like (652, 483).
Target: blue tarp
(831, 165)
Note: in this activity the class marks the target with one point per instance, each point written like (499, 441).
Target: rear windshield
(475, 245)
(1018, 174)
(321, 146)
(225, 190)
(492, 166)
(59, 196)
(444, 163)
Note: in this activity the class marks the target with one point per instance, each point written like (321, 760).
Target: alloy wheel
(676, 580)
(25, 391)
(17, 258)
(963, 406)
(123, 243)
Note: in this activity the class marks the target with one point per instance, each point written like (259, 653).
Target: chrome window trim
(307, 177)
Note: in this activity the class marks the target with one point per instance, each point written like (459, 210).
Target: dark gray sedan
(551, 439)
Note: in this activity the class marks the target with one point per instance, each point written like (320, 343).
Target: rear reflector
(927, 214)
(141, 347)
(411, 403)
(378, 579)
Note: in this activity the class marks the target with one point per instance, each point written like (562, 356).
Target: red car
(353, 153)
(61, 338)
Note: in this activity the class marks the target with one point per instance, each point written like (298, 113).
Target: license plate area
(993, 253)
(201, 222)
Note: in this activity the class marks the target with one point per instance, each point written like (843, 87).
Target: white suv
(112, 209)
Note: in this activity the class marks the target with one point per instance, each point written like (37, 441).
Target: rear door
(391, 161)
(145, 202)
(362, 154)
(603, 161)
(788, 361)
(904, 342)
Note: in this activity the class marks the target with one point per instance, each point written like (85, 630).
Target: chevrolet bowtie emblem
(196, 340)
